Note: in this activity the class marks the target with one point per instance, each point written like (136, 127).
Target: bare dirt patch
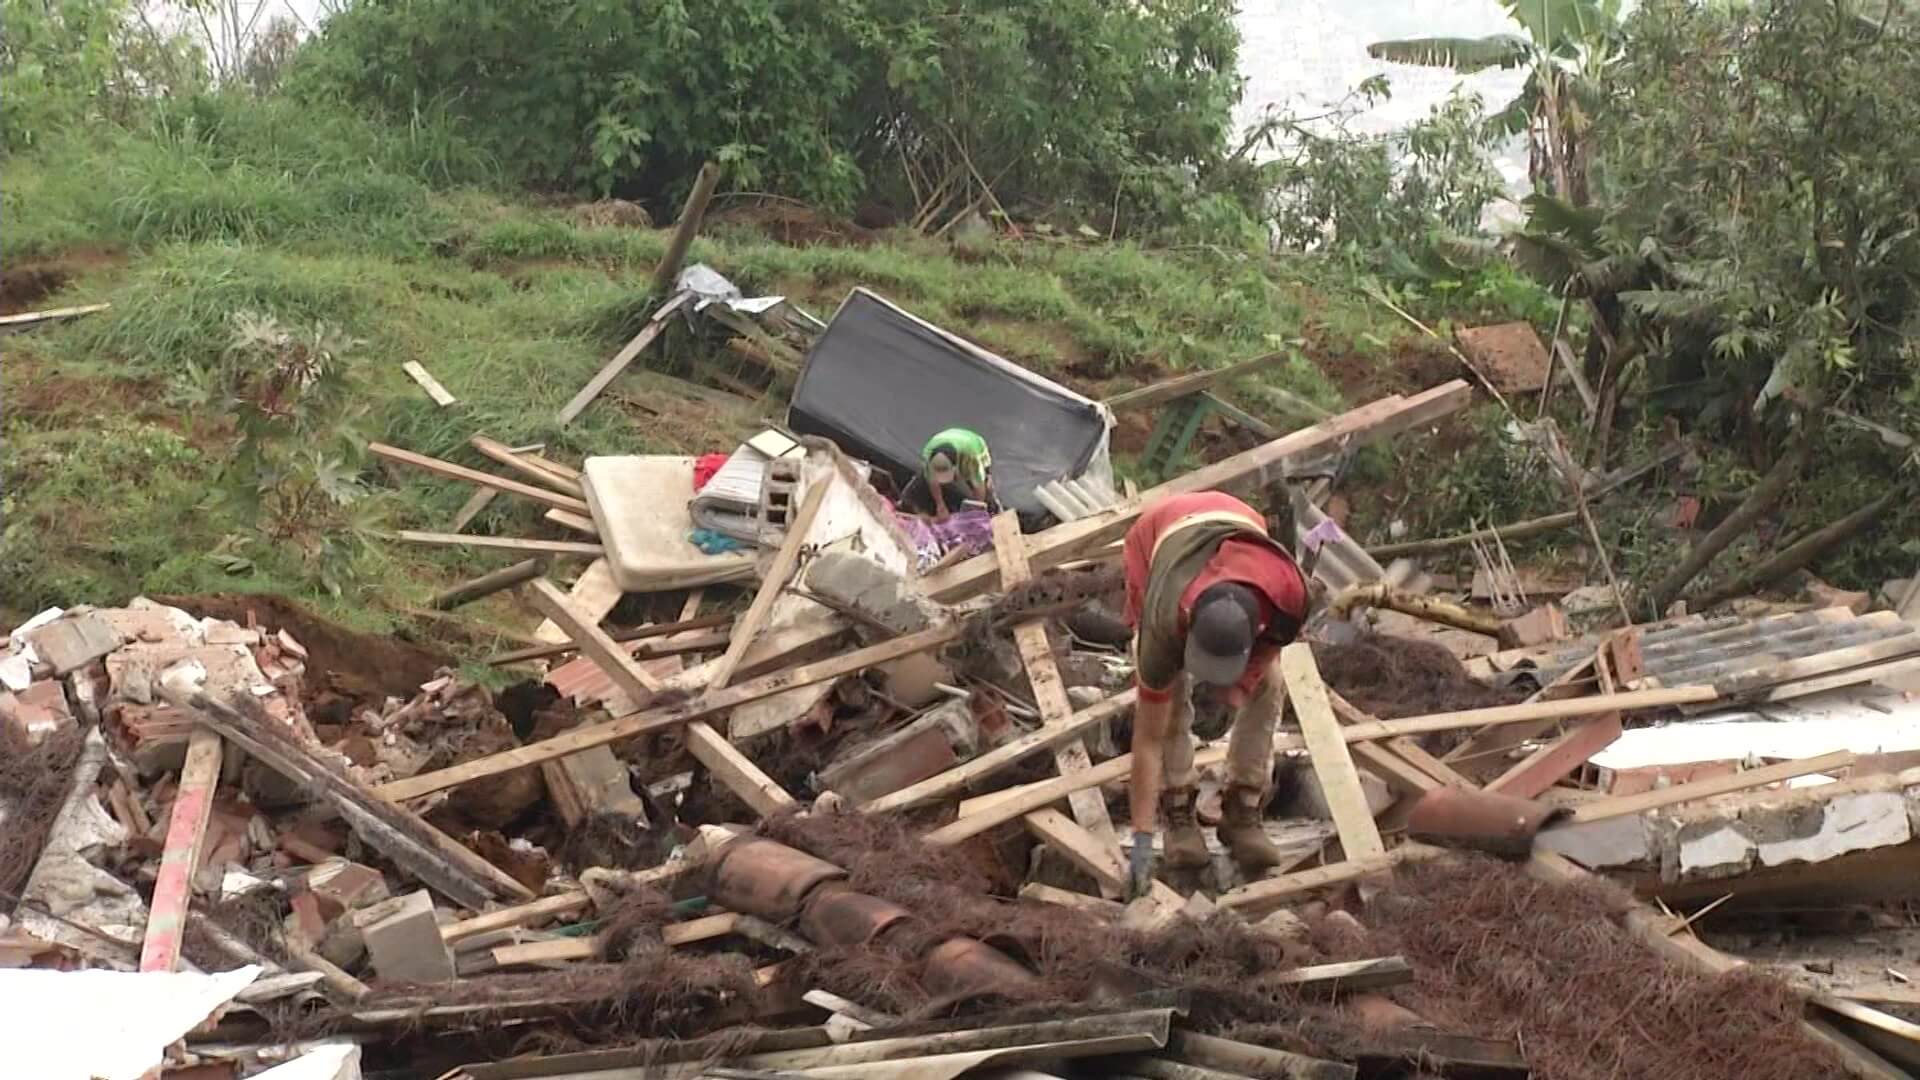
(792, 224)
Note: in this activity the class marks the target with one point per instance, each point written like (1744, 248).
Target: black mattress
(880, 382)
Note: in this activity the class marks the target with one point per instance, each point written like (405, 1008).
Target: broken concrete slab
(923, 748)
(73, 642)
(402, 936)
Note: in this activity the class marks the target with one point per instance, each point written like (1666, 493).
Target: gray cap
(1220, 640)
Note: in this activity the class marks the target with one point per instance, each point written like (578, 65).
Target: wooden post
(488, 584)
(686, 228)
(186, 829)
(737, 771)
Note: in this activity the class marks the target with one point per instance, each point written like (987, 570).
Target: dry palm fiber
(1500, 953)
(33, 788)
(1391, 677)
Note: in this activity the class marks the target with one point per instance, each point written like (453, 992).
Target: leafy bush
(1078, 104)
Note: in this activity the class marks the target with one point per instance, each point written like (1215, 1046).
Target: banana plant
(1565, 44)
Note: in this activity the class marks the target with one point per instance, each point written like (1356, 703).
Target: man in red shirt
(1211, 598)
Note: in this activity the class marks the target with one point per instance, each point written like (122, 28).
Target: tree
(1567, 42)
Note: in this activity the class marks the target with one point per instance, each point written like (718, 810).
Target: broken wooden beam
(1181, 386)
(1328, 980)
(692, 212)
(638, 723)
(1213, 1052)
(656, 325)
(431, 385)
(1261, 896)
(969, 773)
(1515, 531)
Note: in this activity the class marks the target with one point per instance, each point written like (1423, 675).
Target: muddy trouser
(1249, 746)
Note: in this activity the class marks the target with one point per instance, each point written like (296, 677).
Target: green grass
(396, 240)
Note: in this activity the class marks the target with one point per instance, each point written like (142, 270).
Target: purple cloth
(970, 531)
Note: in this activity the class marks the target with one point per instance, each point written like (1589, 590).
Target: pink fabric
(705, 466)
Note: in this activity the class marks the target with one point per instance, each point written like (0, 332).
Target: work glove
(1140, 866)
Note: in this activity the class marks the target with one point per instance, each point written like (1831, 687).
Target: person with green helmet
(955, 468)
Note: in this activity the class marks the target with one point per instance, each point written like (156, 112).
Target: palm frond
(1464, 55)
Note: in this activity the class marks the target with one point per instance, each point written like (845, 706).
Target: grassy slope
(511, 305)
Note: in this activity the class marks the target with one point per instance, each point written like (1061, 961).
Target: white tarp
(104, 1025)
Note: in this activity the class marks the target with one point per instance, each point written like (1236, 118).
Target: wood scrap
(503, 543)
(1620, 806)
(632, 679)
(735, 770)
(656, 325)
(535, 470)
(474, 476)
(431, 385)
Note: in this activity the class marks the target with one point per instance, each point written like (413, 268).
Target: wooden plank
(734, 769)
(1602, 809)
(1248, 1059)
(471, 509)
(431, 385)
(612, 369)
(1182, 385)
(1069, 838)
(503, 543)
(697, 633)
(1271, 892)
(704, 928)
(1326, 980)
(186, 831)
(1093, 905)
(499, 452)
(967, 774)
(1367, 423)
(1484, 745)
(1049, 692)
(592, 595)
(474, 476)
(632, 679)
(1551, 763)
(1410, 751)
(579, 523)
(25, 319)
(1394, 769)
(785, 561)
(1332, 762)
(1526, 711)
(546, 952)
(639, 723)
(547, 907)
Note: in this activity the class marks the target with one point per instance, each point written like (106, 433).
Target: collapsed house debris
(865, 821)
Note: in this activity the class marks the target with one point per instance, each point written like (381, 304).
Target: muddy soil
(344, 661)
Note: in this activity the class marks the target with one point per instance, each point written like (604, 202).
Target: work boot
(1241, 832)
(1185, 847)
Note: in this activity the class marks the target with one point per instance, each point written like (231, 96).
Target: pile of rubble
(864, 826)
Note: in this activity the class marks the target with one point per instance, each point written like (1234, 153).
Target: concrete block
(403, 938)
(72, 643)
(873, 590)
(1621, 841)
(1813, 830)
(893, 761)
(342, 886)
(30, 716)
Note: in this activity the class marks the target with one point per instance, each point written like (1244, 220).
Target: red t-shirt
(1273, 577)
